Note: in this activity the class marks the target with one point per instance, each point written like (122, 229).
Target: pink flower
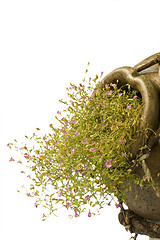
(107, 85)
(123, 153)
(101, 73)
(118, 205)
(102, 105)
(43, 215)
(92, 150)
(64, 132)
(83, 97)
(73, 150)
(85, 141)
(134, 97)
(128, 107)
(89, 214)
(145, 178)
(49, 160)
(11, 160)
(67, 205)
(35, 204)
(56, 143)
(59, 193)
(74, 121)
(122, 141)
(87, 197)
(49, 179)
(29, 176)
(76, 214)
(68, 186)
(108, 163)
(114, 85)
(76, 133)
(22, 171)
(26, 155)
(28, 194)
(120, 94)
(109, 92)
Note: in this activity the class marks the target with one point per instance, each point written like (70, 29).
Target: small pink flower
(108, 163)
(68, 186)
(83, 97)
(26, 155)
(56, 143)
(29, 176)
(74, 121)
(49, 179)
(101, 73)
(85, 141)
(102, 105)
(76, 214)
(123, 153)
(107, 85)
(114, 85)
(49, 160)
(118, 205)
(35, 204)
(145, 178)
(11, 160)
(109, 92)
(28, 194)
(76, 133)
(128, 107)
(43, 215)
(22, 171)
(120, 94)
(67, 205)
(58, 112)
(73, 150)
(89, 214)
(64, 132)
(92, 150)
(134, 97)
(59, 193)
(122, 141)
(87, 197)
(75, 191)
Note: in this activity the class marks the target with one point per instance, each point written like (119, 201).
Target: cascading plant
(82, 163)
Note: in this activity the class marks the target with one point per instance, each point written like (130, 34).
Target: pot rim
(150, 98)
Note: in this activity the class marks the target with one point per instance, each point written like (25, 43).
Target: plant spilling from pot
(82, 164)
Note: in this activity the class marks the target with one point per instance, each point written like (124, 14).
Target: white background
(45, 45)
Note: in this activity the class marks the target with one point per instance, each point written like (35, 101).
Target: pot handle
(148, 62)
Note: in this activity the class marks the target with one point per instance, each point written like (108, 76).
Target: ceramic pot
(146, 79)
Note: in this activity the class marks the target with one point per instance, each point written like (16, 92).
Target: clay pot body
(145, 78)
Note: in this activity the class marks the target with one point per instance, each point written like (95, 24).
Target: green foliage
(84, 162)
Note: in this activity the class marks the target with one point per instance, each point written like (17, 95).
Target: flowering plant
(82, 164)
